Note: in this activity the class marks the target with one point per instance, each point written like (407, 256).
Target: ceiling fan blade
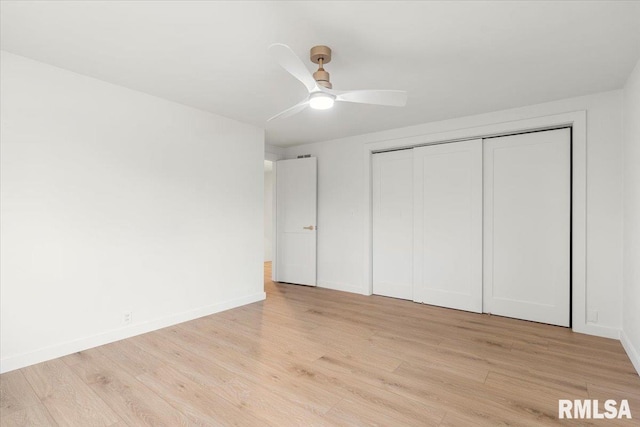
(393, 98)
(291, 111)
(288, 60)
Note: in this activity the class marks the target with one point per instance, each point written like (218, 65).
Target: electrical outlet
(126, 319)
(592, 316)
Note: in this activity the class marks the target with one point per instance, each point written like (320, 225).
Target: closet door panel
(448, 225)
(393, 224)
(527, 220)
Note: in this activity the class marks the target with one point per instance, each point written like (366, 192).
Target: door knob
(308, 228)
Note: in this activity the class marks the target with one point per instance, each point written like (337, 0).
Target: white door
(393, 224)
(527, 220)
(448, 225)
(296, 221)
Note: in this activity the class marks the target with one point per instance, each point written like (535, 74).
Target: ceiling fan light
(321, 101)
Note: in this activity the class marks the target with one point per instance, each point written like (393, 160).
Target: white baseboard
(336, 286)
(597, 330)
(59, 350)
(632, 352)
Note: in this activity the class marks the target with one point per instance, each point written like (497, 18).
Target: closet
(480, 225)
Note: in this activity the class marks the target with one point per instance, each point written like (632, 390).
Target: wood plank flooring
(317, 357)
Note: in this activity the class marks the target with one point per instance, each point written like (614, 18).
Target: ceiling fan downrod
(321, 55)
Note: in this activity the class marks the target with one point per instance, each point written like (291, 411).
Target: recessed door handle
(308, 228)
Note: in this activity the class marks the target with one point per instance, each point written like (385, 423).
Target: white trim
(632, 352)
(578, 121)
(274, 223)
(600, 331)
(273, 154)
(343, 287)
(59, 350)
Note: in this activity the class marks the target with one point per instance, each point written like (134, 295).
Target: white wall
(631, 288)
(114, 200)
(268, 215)
(273, 153)
(341, 206)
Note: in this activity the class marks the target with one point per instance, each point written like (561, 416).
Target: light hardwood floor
(309, 356)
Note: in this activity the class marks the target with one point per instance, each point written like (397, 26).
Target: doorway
(268, 216)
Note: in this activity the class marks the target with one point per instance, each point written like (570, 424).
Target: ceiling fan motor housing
(322, 78)
(321, 55)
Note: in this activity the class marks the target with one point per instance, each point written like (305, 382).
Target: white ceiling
(454, 58)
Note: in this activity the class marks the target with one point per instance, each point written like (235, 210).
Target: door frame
(577, 121)
(273, 158)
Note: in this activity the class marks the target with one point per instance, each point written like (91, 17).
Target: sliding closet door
(393, 224)
(448, 225)
(527, 210)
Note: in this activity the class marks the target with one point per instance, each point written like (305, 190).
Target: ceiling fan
(321, 93)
